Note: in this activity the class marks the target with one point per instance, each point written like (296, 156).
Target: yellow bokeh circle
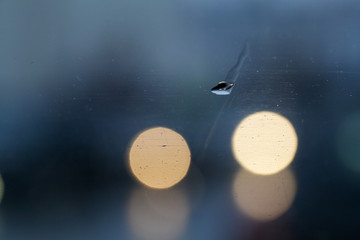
(264, 143)
(159, 157)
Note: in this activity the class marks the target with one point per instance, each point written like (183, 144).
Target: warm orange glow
(264, 143)
(264, 198)
(159, 157)
(158, 214)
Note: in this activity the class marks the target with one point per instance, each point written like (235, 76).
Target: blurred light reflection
(159, 157)
(158, 214)
(264, 143)
(264, 198)
(348, 142)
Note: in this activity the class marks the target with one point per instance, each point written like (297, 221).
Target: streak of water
(225, 87)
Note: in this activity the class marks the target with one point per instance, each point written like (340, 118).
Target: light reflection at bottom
(264, 198)
(158, 214)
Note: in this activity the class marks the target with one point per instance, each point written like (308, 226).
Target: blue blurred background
(79, 80)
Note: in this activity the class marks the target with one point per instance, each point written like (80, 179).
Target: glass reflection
(264, 143)
(348, 142)
(159, 157)
(264, 198)
(158, 214)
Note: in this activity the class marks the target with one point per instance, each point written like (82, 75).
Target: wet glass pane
(110, 126)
